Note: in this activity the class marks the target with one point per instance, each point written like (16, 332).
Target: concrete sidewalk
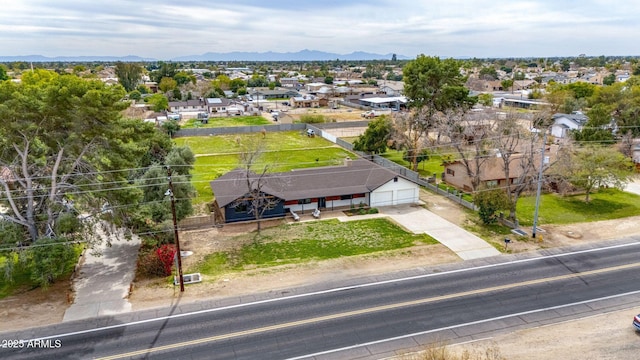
(102, 284)
(422, 221)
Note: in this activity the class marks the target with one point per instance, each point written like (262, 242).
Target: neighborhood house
(331, 187)
(564, 123)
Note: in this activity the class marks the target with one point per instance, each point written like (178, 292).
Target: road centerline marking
(370, 310)
(338, 289)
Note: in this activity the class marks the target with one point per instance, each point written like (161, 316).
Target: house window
(241, 208)
(492, 183)
(346, 197)
(304, 201)
(451, 172)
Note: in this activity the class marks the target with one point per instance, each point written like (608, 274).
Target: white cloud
(165, 29)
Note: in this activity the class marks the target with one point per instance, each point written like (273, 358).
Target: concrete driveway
(102, 284)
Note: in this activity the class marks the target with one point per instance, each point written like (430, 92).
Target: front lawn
(554, 209)
(227, 121)
(303, 242)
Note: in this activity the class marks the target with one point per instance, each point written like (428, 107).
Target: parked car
(369, 114)
(636, 322)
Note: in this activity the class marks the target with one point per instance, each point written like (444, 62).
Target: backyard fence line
(238, 130)
(319, 130)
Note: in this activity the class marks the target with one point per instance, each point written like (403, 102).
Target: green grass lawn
(284, 151)
(426, 168)
(227, 121)
(349, 139)
(320, 240)
(554, 209)
(281, 140)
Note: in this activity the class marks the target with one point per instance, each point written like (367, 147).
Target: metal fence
(343, 124)
(238, 130)
(398, 169)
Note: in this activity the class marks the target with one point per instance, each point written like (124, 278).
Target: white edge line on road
(461, 325)
(167, 317)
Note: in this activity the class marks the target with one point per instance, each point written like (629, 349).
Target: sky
(165, 29)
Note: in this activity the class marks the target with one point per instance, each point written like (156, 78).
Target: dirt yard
(606, 336)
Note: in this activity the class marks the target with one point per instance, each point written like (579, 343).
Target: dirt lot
(606, 336)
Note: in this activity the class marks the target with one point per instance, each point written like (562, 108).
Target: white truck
(369, 114)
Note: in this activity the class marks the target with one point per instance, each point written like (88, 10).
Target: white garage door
(382, 198)
(406, 196)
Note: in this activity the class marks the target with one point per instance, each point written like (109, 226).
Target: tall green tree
(623, 102)
(591, 167)
(258, 81)
(374, 139)
(167, 84)
(65, 147)
(129, 74)
(3, 73)
(158, 102)
(184, 77)
(155, 183)
(507, 84)
(432, 86)
(597, 128)
(164, 70)
(488, 73)
(435, 84)
(581, 89)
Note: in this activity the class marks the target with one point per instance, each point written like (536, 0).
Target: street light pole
(535, 214)
(175, 229)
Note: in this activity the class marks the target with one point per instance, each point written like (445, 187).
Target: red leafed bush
(166, 254)
(149, 265)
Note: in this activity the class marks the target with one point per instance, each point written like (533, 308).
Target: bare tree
(517, 148)
(626, 144)
(410, 132)
(258, 181)
(468, 134)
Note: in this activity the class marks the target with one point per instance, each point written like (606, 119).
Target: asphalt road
(363, 321)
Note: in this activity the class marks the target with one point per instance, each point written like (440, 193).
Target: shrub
(166, 253)
(48, 263)
(489, 202)
(149, 265)
(155, 261)
(373, 211)
(312, 119)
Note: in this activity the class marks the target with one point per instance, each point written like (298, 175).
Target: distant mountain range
(304, 55)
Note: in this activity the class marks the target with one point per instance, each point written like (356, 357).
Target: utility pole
(535, 214)
(175, 228)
